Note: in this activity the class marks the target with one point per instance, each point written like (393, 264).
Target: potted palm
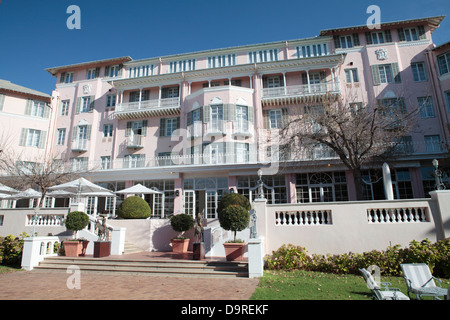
(76, 221)
(234, 218)
(181, 223)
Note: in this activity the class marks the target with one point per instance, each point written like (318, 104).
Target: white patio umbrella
(7, 190)
(79, 187)
(27, 194)
(139, 189)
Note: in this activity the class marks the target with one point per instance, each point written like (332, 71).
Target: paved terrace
(43, 285)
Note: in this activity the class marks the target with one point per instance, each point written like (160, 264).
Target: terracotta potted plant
(234, 218)
(181, 223)
(76, 221)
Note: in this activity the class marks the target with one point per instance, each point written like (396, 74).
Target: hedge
(435, 255)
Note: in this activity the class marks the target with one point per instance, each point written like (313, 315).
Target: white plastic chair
(386, 293)
(421, 282)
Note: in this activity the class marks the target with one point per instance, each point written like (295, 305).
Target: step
(162, 267)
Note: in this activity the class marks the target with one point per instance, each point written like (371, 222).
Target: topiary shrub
(181, 223)
(234, 218)
(134, 208)
(233, 199)
(76, 221)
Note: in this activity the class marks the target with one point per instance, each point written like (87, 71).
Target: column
(332, 79)
(284, 83)
(309, 84)
(159, 96)
(140, 97)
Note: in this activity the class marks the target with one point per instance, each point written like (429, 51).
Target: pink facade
(189, 124)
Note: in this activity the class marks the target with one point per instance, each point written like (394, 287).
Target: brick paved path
(31, 285)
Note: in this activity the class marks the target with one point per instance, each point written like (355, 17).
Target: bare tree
(42, 172)
(357, 133)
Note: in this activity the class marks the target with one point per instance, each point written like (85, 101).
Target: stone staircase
(151, 267)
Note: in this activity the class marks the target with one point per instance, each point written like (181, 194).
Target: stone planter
(75, 248)
(234, 251)
(198, 249)
(180, 245)
(102, 249)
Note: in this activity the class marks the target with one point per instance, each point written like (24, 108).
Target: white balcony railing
(79, 145)
(300, 90)
(148, 104)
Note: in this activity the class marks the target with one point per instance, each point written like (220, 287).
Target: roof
(446, 44)
(55, 70)
(9, 86)
(433, 22)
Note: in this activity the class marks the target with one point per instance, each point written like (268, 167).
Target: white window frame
(33, 138)
(418, 70)
(91, 74)
(60, 136)
(242, 118)
(85, 104)
(111, 100)
(64, 108)
(170, 126)
(108, 130)
(217, 118)
(38, 108)
(426, 107)
(68, 77)
(275, 118)
(433, 143)
(411, 34)
(351, 75)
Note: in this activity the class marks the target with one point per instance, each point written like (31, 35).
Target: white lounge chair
(420, 281)
(387, 293)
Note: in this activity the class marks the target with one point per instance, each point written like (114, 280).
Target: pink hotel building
(119, 117)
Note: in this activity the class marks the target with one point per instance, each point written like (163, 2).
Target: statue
(102, 228)
(198, 228)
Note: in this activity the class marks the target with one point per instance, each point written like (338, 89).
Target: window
(447, 97)
(321, 187)
(385, 73)
(222, 61)
(37, 109)
(113, 71)
(275, 119)
(241, 118)
(79, 164)
(136, 95)
(141, 71)
(182, 66)
(105, 162)
(168, 126)
(411, 34)
(66, 77)
(433, 143)
(216, 124)
(110, 100)
(273, 82)
(378, 37)
(313, 50)
(418, 70)
(134, 160)
(263, 56)
(60, 136)
(32, 138)
(85, 104)
(136, 128)
(64, 108)
(444, 63)
(92, 73)
(402, 185)
(242, 152)
(195, 123)
(274, 188)
(351, 75)
(108, 130)
(426, 107)
(171, 92)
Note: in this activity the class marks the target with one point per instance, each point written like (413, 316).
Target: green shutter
(77, 108)
(144, 128)
(23, 136)
(396, 73)
(422, 34)
(42, 139)
(88, 131)
(74, 133)
(28, 106)
(401, 34)
(47, 110)
(251, 114)
(92, 103)
(162, 127)
(356, 42)
(266, 119)
(375, 75)
(368, 38)
(128, 129)
(388, 36)
(206, 113)
(284, 117)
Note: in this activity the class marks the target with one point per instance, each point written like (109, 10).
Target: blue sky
(34, 36)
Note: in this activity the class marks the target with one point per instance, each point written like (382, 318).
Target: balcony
(299, 93)
(135, 142)
(79, 145)
(148, 108)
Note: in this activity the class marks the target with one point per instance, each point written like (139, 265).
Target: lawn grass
(7, 269)
(307, 285)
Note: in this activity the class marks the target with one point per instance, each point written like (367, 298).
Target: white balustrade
(397, 215)
(44, 220)
(303, 218)
(35, 249)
